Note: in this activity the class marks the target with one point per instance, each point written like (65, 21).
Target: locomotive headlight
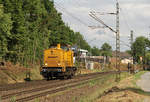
(58, 64)
(46, 64)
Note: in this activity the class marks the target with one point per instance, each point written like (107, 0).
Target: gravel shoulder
(144, 82)
(82, 93)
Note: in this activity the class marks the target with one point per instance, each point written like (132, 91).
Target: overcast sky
(134, 15)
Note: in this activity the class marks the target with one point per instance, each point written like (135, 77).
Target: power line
(77, 3)
(99, 20)
(117, 31)
(70, 14)
(125, 15)
(92, 14)
(102, 13)
(123, 42)
(125, 20)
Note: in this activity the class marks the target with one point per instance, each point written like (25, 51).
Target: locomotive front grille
(52, 69)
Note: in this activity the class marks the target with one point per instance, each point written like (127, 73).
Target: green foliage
(13, 99)
(128, 51)
(139, 47)
(36, 100)
(5, 28)
(0, 99)
(147, 58)
(79, 40)
(27, 27)
(106, 50)
(95, 51)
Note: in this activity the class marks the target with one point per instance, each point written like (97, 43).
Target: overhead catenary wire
(77, 3)
(102, 13)
(125, 20)
(123, 42)
(125, 16)
(92, 14)
(79, 20)
(121, 9)
(59, 6)
(63, 1)
(99, 20)
(70, 14)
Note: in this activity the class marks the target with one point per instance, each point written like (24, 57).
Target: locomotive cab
(58, 63)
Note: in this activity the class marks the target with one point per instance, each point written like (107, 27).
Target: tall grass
(104, 84)
(13, 99)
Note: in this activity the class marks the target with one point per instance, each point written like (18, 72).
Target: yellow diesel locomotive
(58, 63)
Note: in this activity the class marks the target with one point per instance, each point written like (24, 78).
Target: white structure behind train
(126, 61)
(83, 53)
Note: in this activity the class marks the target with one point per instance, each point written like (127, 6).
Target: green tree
(106, 50)
(5, 35)
(147, 57)
(128, 51)
(139, 47)
(79, 40)
(27, 27)
(95, 51)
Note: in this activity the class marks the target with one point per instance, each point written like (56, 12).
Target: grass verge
(15, 75)
(127, 91)
(103, 85)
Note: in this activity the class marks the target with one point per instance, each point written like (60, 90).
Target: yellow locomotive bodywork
(58, 62)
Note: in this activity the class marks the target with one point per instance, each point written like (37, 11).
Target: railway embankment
(86, 92)
(10, 73)
(101, 88)
(97, 87)
(132, 89)
(28, 91)
(104, 90)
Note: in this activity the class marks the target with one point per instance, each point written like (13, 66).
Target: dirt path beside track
(144, 82)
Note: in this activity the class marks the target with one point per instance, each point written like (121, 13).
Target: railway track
(9, 87)
(47, 88)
